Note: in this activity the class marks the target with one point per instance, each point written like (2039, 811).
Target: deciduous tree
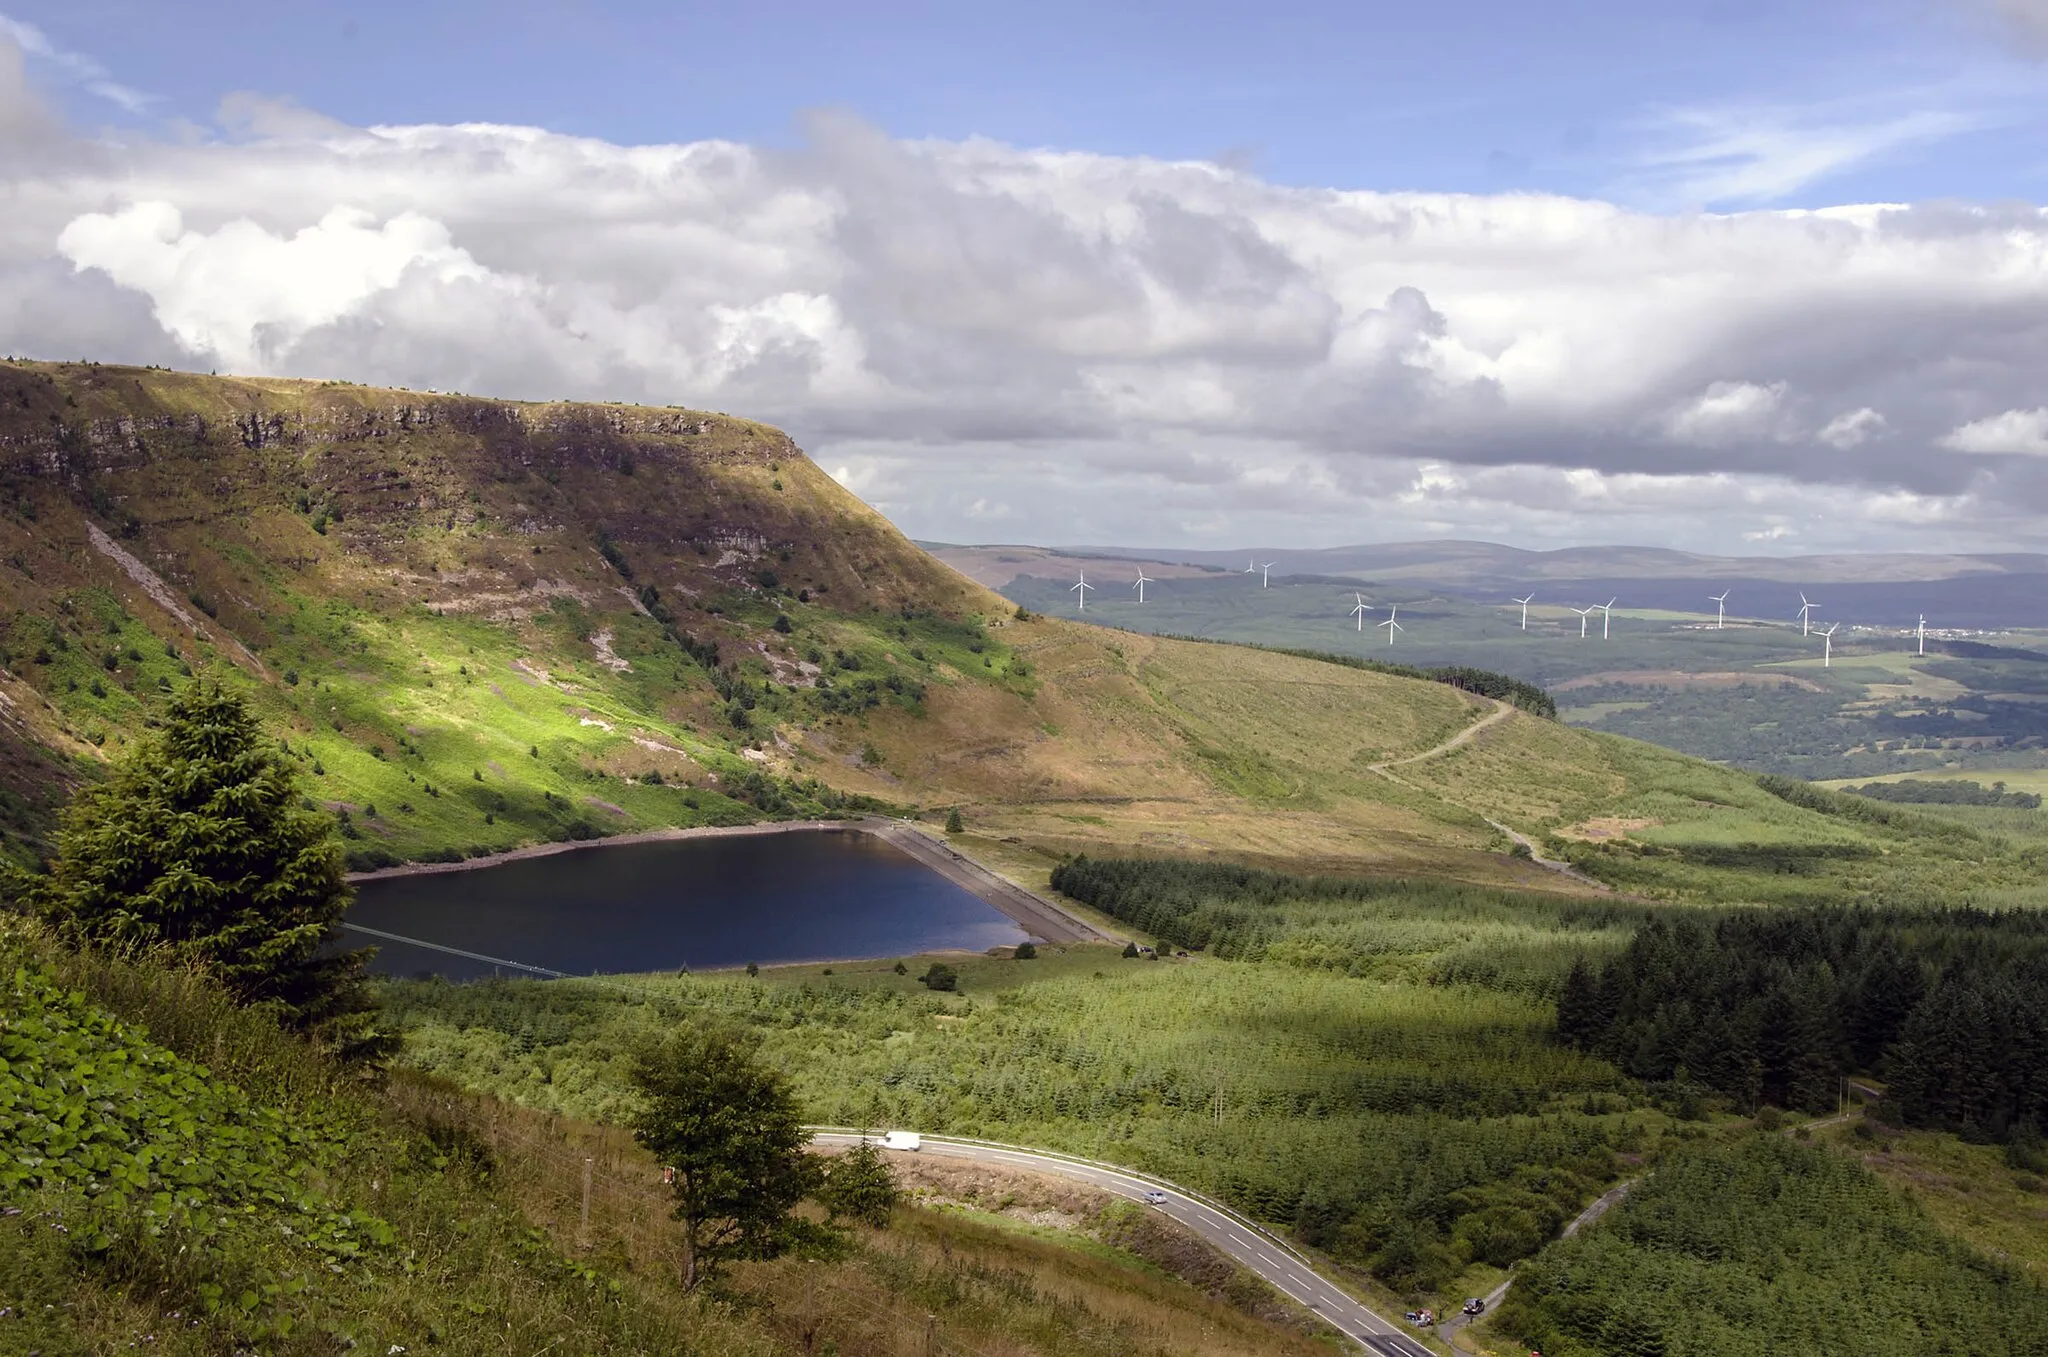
(729, 1127)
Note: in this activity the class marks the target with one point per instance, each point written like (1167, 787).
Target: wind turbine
(1827, 655)
(1390, 624)
(1922, 633)
(1606, 617)
(1082, 589)
(1250, 566)
(1525, 602)
(1140, 583)
(1720, 602)
(1584, 613)
(1263, 570)
(1361, 610)
(1805, 615)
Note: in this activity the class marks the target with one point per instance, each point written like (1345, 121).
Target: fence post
(931, 1336)
(583, 1226)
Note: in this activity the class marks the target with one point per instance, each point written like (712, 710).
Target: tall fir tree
(198, 850)
(1578, 1016)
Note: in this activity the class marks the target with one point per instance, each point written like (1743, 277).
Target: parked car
(1475, 1306)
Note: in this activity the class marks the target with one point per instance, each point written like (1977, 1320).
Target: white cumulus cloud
(2014, 431)
(240, 291)
(1727, 411)
(1852, 428)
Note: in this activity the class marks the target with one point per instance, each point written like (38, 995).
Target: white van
(902, 1140)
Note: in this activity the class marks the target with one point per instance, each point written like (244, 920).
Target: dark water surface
(770, 898)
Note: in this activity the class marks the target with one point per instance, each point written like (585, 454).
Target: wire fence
(600, 1195)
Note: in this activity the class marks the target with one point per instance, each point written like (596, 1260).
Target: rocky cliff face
(153, 523)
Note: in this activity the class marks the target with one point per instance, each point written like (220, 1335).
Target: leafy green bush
(1404, 1127)
(155, 1156)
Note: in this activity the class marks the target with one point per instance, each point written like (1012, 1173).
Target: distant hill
(1894, 589)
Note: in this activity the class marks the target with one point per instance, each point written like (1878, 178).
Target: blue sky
(1720, 274)
(1670, 105)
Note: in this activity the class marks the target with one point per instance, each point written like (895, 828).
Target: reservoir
(701, 902)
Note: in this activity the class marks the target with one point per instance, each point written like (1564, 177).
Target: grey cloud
(46, 311)
(2025, 22)
(30, 135)
(1023, 324)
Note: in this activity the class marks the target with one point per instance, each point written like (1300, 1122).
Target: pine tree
(198, 851)
(861, 1187)
(1631, 1333)
(1578, 1006)
(954, 825)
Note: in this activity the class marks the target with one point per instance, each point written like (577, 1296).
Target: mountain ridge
(482, 624)
(1450, 560)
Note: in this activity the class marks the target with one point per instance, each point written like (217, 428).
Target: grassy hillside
(478, 624)
(265, 1201)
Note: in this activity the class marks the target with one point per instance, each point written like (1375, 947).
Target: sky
(1724, 275)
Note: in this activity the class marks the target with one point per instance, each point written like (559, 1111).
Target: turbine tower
(1264, 570)
(1805, 615)
(1606, 617)
(1827, 654)
(1390, 624)
(1361, 610)
(1140, 583)
(1720, 602)
(1922, 633)
(1082, 589)
(1525, 602)
(1584, 613)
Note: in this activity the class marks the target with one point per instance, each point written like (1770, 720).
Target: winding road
(1254, 1249)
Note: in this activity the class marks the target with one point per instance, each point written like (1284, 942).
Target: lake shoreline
(1040, 918)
